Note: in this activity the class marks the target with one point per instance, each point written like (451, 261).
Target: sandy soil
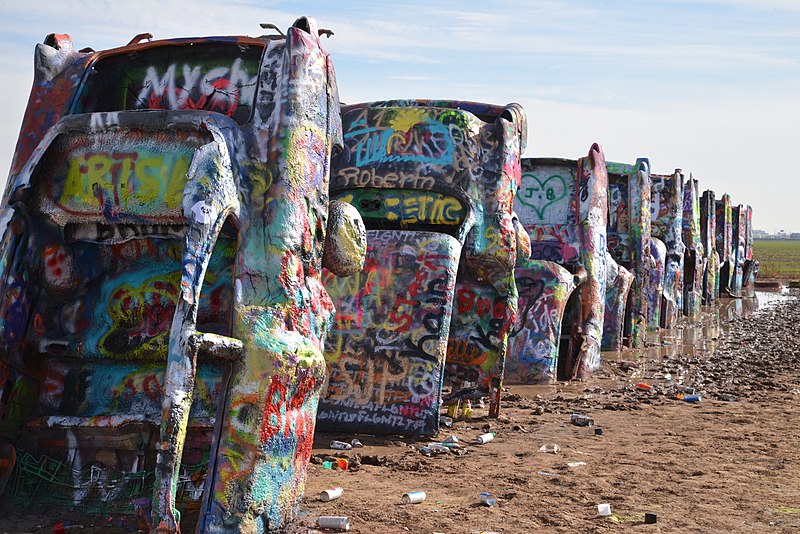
(729, 463)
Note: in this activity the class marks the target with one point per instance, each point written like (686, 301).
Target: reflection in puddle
(662, 360)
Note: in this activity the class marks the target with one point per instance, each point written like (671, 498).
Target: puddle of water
(693, 340)
(657, 363)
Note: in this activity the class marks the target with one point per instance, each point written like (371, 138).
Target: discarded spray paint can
(336, 522)
(692, 398)
(598, 431)
(340, 445)
(446, 421)
(356, 443)
(485, 438)
(487, 499)
(644, 387)
(413, 497)
(331, 494)
(650, 518)
(578, 419)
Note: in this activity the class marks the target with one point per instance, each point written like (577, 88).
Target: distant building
(760, 234)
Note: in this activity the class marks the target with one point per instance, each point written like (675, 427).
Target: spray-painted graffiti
(751, 265)
(724, 243)
(544, 289)
(629, 245)
(694, 262)
(428, 178)
(201, 76)
(122, 254)
(654, 286)
(666, 216)
(573, 234)
(397, 310)
(708, 228)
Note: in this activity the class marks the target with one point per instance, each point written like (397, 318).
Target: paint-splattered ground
(719, 465)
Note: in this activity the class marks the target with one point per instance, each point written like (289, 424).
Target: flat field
(777, 258)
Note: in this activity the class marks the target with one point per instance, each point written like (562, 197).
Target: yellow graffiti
(405, 118)
(128, 180)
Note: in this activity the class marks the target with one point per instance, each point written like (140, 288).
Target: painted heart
(541, 194)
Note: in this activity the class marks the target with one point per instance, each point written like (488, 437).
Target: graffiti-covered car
(434, 183)
(164, 229)
(629, 244)
(708, 230)
(694, 259)
(724, 244)
(563, 205)
(666, 216)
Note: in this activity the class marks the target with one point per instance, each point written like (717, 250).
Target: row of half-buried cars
(169, 211)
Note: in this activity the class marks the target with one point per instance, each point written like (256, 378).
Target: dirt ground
(717, 465)
(728, 463)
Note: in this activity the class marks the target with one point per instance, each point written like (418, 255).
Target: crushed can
(340, 445)
(579, 419)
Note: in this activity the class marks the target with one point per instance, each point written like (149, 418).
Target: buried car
(164, 231)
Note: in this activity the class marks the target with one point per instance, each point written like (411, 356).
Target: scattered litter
(356, 443)
(691, 398)
(550, 447)
(604, 509)
(650, 518)
(548, 474)
(446, 421)
(432, 449)
(413, 497)
(485, 438)
(331, 494)
(598, 431)
(576, 464)
(487, 499)
(579, 419)
(644, 387)
(335, 522)
(327, 465)
(340, 445)
(627, 365)
(452, 441)
(788, 510)
(343, 464)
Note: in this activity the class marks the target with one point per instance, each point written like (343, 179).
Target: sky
(709, 86)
